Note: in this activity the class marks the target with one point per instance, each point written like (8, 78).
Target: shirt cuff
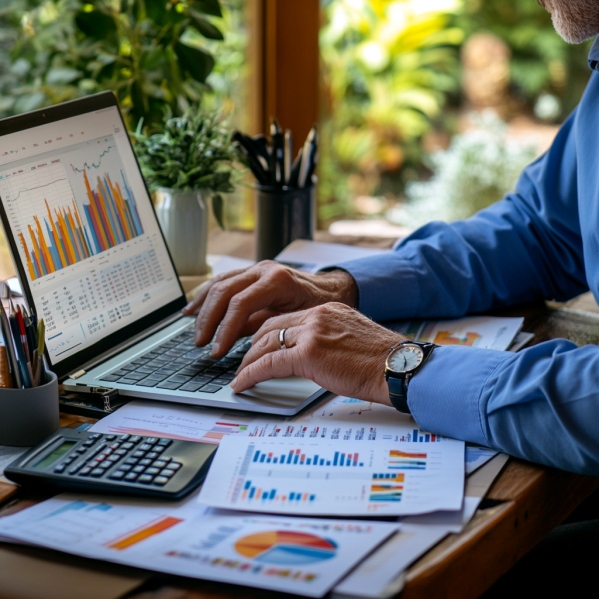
(445, 395)
(383, 293)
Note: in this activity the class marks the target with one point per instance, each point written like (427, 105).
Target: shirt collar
(594, 55)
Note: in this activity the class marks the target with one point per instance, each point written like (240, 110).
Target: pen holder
(283, 215)
(27, 416)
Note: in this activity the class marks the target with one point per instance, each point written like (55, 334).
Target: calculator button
(97, 472)
(159, 448)
(153, 471)
(105, 465)
(110, 437)
(167, 472)
(151, 440)
(153, 455)
(160, 463)
(85, 471)
(175, 465)
(146, 479)
(94, 437)
(139, 469)
(135, 439)
(124, 437)
(60, 468)
(74, 469)
(118, 475)
(131, 476)
(145, 447)
(121, 452)
(93, 463)
(160, 480)
(132, 461)
(113, 458)
(128, 445)
(125, 467)
(139, 454)
(145, 462)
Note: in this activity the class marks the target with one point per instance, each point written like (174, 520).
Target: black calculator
(74, 460)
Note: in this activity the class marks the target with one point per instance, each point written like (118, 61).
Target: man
(539, 242)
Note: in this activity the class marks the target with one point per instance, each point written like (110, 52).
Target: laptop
(93, 263)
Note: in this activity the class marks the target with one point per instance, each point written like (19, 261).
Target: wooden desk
(522, 506)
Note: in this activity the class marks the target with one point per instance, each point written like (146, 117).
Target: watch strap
(398, 394)
(398, 385)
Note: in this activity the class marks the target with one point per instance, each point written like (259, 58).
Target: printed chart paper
(295, 555)
(291, 476)
(483, 332)
(176, 421)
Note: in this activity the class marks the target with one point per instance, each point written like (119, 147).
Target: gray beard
(576, 20)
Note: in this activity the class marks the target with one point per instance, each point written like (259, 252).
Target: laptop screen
(82, 228)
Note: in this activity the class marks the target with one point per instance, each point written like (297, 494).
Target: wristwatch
(404, 360)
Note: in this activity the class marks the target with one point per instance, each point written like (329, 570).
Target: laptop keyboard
(179, 364)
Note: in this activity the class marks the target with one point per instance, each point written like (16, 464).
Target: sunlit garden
(429, 108)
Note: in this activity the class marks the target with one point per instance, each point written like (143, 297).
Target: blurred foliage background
(392, 76)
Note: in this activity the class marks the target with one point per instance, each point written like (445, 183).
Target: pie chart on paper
(286, 547)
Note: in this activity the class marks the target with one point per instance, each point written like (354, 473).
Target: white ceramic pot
(183, 217)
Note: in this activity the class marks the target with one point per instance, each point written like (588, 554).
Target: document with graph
(304, 556)
(315, 477)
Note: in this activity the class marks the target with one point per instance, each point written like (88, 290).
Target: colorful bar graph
(252, 493)
(144, 533)
(419, 437)
(296, 457)
(404, 460)
(111, 218)
(387, 487)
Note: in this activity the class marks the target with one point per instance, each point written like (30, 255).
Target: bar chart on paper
(320, 478)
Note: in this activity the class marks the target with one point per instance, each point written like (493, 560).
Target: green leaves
(193, 151)
(151, 53)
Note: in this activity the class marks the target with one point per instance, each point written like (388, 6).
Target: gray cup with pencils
(29, 409)
(285, 197)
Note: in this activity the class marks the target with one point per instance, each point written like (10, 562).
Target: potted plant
(189, 160)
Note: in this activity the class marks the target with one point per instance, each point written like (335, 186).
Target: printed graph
(387, 487)
(449, 338)
(252, 493)
(284, 547)
(297, 457)
(143, 533)
(405, 460)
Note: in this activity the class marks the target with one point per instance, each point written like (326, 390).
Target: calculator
(75, 460)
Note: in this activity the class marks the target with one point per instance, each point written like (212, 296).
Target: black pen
(287, 153)
(308, 153)
(276, 154)
(253, 162)
(312, 159)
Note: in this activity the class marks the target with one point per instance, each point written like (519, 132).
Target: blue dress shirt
(539, 242)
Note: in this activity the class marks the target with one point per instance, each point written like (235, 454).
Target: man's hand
(332, 345)
(239, 302)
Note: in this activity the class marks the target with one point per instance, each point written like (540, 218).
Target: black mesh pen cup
(282, 216)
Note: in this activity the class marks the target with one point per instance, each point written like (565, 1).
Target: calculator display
(55, 455)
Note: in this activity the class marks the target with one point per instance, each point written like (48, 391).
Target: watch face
(405, 358)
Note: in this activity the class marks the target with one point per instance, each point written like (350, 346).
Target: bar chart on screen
(70, 207)
(334, 477)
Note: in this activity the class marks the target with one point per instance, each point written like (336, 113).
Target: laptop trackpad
(283, 391)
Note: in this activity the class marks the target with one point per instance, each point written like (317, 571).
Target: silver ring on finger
(282, 339)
